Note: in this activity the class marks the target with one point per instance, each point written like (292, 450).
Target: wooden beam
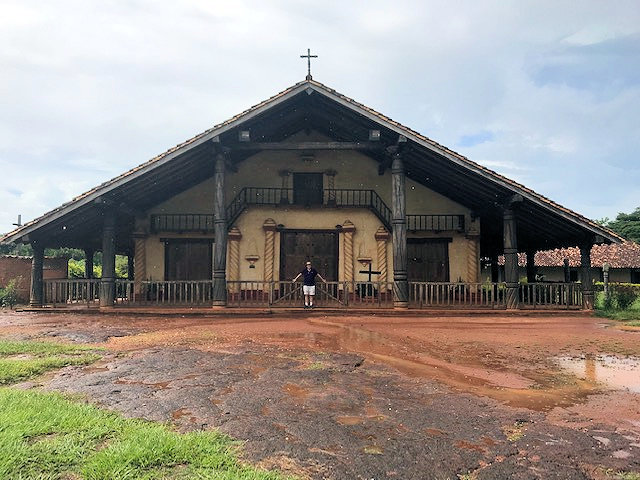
(304, 146)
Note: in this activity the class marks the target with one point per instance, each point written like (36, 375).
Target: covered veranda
(513, 218)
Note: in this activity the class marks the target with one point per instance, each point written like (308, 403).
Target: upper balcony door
(307, 189)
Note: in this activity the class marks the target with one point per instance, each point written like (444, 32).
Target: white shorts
(309, 289)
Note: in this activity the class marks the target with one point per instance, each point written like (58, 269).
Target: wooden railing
(330, 294)
(289, 294)
(435, 223)
(550, 295)
(71, 291)
(469, 295)
(182, 222)
(359, 198)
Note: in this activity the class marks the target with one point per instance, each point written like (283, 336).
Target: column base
(400, 305)
(219, 303)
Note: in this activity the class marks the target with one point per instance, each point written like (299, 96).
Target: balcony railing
(334, 198)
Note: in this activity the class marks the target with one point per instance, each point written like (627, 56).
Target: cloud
(544, 93)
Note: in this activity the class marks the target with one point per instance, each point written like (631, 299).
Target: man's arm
(322, 278)
(297, 276)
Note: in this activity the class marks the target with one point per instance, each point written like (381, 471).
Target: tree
(627, 225)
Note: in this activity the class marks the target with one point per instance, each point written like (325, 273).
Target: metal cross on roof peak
(308, 56)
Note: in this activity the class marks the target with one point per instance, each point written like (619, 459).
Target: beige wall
(354, 170)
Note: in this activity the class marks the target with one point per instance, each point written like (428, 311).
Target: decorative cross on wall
(370, 272)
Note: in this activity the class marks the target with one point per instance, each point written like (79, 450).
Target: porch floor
(208, 311)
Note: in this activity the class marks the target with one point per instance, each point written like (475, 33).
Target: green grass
(46, 436)
(35, 358)
(631, 316)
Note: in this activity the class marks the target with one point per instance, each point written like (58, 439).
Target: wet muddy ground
(373, 397)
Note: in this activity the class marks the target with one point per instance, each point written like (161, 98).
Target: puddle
(609, 370)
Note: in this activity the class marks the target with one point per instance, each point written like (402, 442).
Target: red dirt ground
(512, 360)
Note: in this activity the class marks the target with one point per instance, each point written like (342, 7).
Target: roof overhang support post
(510, 243)
(399, 230)
(586, 280)
(36, 292)
(108, 279)
(220, 231)
(88, 262)
(531, 266)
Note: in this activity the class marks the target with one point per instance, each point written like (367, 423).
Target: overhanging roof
(310, 105)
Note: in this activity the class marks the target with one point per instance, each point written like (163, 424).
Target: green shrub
(625, 295)
(9, 295)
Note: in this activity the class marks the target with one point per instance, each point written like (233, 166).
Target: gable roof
(427, 161)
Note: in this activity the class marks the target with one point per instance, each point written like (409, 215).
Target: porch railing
(550, 295)
(71, 291)
(470, 295)
(330, 294)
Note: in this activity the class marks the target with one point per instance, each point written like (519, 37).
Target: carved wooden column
(566, 270)
(399, 224)
(234, 258)
(139, 261)
(382, 237)
(269, 227)
(531, 266)
(510, 257)
(88, 263)
(220, 228)
(36, 296)
(331, 186)
(473, 251)
(495, 268)
(107, 283)
(585, 276)
(348, 228)
(131, 268)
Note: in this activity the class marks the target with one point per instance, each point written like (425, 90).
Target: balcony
(336, 198)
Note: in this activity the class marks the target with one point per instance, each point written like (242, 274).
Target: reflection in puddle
(614, 372)
(539, 389)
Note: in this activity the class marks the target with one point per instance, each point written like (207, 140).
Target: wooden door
(307, 189)
(320, 247)
(428, 260)
(187, 260)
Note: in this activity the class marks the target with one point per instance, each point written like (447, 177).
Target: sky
(544, 92)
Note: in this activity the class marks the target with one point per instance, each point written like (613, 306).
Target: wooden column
(269, 226)
(495, 269)
(130, 265)
(107, 283)
(36, 296)
(220, 229)
(234, 238)
(510, 243)
(566, 270)
(531, 266)
(88, 263)
(348, 228)
(585, 276)
(382, 237)
(139, 262)
(399, 234)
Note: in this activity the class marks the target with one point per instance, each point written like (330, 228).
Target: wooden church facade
(387, 216)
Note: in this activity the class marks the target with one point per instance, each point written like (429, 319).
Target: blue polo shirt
(309, 276)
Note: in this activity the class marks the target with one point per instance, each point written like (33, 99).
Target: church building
(387, 216)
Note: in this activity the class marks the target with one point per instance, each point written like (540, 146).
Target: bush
(625, 295)
(9, 294)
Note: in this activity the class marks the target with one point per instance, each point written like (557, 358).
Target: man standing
(309, 288)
